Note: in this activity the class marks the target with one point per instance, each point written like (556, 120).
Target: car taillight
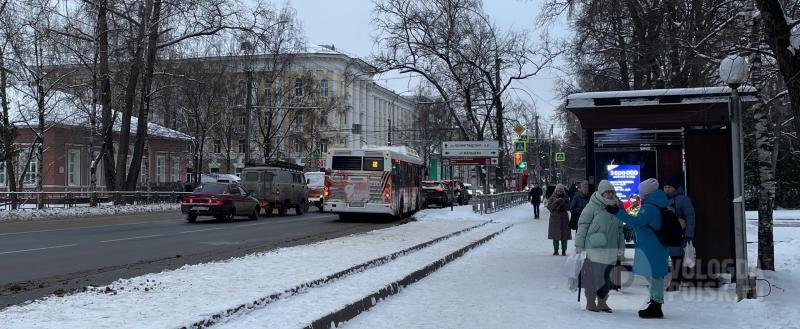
(439, 189)
(326, 192)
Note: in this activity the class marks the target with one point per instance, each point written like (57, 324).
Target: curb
(352, 310)
(261, 302)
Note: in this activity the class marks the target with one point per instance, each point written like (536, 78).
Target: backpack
(671, 232)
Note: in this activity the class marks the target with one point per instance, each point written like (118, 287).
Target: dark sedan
(224, 201)
(437, 192)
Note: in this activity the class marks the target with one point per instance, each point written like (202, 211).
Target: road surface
(40, 258)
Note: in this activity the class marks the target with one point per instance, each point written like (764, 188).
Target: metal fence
(49, 200)
(487, 204)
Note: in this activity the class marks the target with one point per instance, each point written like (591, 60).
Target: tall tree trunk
(778, 35)
(248, 108)
(8, 133)
(107, 116)
(130, 96)
(144, 104)
(765, 141)
(40, 106)
(498, 103)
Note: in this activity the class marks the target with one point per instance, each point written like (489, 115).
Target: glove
(612, 210)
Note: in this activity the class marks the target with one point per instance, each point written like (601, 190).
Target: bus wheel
(268, 211)
(402, 209)
(282, 209)
(299, 209)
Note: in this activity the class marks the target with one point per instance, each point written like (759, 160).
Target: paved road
(39, 258)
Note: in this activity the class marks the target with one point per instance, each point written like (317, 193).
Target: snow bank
(107, 210)
(465, 213)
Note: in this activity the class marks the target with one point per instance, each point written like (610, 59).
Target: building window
(242, 144)
(98, 170)
(30, 167)
(242, 120)
(73, 167)
(238, 172)
(2, 174)
(161, 169)
(217, 146)
(323, 146)
(323, 118)
(214, 170)
(323, 87)
(144, 175)
(175, 171)
(298, 147)
(298, 87)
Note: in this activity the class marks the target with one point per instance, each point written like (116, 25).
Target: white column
(351, 102)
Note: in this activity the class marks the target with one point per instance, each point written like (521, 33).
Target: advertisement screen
(625, 179)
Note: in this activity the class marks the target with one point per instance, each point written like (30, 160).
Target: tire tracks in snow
(304, 287)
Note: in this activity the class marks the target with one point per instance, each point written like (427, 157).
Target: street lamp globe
(733, 70)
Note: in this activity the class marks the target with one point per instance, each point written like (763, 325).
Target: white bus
(373, 180)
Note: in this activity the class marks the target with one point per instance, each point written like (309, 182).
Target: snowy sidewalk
(513, 281)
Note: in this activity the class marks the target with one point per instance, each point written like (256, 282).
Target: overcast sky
(346, 24)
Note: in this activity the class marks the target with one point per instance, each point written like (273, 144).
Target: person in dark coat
(682, 206)
(535, 197)
(558, 229)
(651, 258)
(580, 200)
(573, 187)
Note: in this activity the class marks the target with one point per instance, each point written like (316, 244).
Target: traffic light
(522, 165)
(517, 159)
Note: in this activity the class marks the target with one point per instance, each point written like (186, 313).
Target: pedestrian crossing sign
(520, 146)
(560, 157)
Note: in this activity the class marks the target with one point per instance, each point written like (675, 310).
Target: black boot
(653, 311)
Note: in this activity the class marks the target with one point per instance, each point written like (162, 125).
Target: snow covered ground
(512, 281)
(85, 210)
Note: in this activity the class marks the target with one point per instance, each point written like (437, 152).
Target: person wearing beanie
(682, 206)
(600, 235)
(558, 229)
(651, 257)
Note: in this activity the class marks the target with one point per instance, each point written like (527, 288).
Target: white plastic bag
(689, 259)
(572, 269)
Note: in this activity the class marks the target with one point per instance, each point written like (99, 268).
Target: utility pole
(248, 108)
(551, 171)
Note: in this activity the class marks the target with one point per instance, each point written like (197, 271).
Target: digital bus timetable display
(625, 179)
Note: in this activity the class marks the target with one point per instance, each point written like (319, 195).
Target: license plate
(356, 204)
(199, 208)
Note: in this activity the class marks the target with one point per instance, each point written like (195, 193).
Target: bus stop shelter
(678, 134)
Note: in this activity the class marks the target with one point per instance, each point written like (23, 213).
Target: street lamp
(733, 71)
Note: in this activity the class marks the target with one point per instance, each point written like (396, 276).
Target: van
(277, 185)
(316, 189)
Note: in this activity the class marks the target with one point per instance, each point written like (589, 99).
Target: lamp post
(733, 71)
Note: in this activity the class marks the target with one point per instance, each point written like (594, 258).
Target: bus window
(346, 163)
(373, 164)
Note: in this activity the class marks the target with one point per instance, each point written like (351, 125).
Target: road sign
(520, 146)
(524, 138)
(471, 149)
(519, 129)
(560, 157)
(469, 161)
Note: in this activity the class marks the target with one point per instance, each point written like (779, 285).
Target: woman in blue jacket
(651, 257)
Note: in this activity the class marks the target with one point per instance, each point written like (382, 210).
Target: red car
(221, 200)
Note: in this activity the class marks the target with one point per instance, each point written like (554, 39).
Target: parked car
(438, 193)
(316, 189)
(219, 178)
(221, 200)
(277, 185)
(470, 191)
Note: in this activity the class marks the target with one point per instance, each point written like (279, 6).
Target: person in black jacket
(579, 201)
(535, 197)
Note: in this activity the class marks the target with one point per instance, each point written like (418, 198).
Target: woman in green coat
(600, 234)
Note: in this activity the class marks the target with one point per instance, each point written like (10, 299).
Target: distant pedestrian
(573, 187)
(600, 235)
(535, 196)
(651, 257)
(682, 206)
(558, 229)
(579, 201)
(179, 188)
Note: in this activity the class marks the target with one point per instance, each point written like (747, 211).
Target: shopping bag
(689, 259)
(572, 266)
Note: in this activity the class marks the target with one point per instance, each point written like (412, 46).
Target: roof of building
(65, 110)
